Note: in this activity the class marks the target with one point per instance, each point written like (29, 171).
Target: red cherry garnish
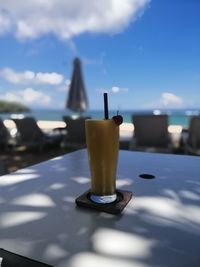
(118, 119)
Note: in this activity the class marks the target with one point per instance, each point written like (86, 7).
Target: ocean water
(180, 117)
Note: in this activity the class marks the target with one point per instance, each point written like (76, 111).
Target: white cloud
(64, 87)
(31, 96)
(29, 77)
(67, 82)
(28, 96)
(116, 89)
(171, 100)
(5, 23)
(10, 96)
(65, 18)
(113, 90)
(167, 100)
(17, 77)
(50, 78)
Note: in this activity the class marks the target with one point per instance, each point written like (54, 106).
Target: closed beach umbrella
(77, 97)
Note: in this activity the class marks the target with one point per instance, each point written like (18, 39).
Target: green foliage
(12, 107)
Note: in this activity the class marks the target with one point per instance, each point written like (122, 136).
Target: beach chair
(192, 141)
(151, 134)
(30, 135)
(2, 168)
(5, 136)
(75, 137)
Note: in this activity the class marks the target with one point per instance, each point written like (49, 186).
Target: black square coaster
(116, 207)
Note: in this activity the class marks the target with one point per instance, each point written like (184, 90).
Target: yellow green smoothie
(102, 138)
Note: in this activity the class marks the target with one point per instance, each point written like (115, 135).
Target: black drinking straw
(105, 96)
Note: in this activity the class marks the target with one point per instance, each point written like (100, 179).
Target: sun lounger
(151, 133)
(75, 136)
(6, 141)
(191, 142)
(2, 168)
(30, 134)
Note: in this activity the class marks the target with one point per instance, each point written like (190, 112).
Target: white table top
(160, 227)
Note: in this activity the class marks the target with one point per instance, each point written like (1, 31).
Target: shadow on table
(86, 237)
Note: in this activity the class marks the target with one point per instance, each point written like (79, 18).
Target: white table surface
(159, 227)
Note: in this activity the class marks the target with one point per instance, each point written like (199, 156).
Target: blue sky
(144, 53)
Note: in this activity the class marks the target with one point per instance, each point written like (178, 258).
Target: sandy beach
(126, 129)
(17, 159)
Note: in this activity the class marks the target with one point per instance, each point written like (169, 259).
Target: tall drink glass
(102, 138)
